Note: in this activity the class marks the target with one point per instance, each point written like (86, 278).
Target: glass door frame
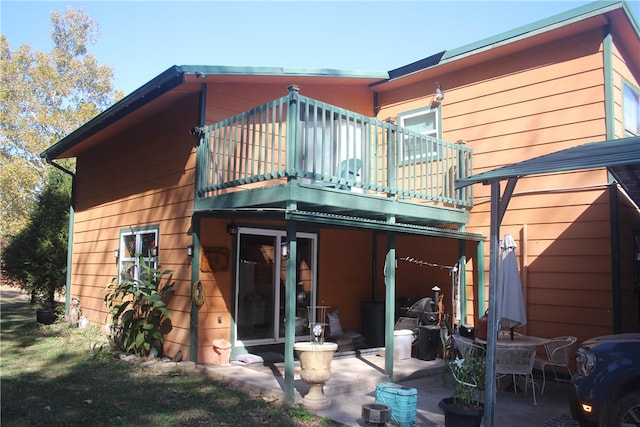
(280, 240)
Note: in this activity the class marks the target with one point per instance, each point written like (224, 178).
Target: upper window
(137, 244)
(631, 110)
(421, 142)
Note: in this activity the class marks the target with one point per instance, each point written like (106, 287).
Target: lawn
(58, 375)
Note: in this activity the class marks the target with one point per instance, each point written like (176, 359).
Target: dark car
(605, 390)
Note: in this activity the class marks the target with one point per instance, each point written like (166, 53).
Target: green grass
(61, 376)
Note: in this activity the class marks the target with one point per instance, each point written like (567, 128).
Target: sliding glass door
(261, 284)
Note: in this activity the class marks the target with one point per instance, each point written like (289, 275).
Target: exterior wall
(224, 101)
(536, 101)
(152, 184)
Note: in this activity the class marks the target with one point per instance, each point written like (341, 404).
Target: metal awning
(620, 156)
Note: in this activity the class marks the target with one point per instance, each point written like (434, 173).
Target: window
(420, 143)
(631, 110)
(136, 244)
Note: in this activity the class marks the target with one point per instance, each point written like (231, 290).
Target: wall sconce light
(190, 250)
(232, 228)
(154, 251)
(284, 247)
(116, 253)
(439, 94)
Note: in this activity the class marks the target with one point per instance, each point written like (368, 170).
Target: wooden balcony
(299, 153)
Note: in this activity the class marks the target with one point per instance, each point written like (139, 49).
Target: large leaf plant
(138, 310)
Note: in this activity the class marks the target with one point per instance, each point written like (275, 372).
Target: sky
(141, 39)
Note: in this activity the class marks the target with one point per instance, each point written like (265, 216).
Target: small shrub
(138, 310)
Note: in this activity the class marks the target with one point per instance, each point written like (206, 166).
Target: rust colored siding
(143, 177)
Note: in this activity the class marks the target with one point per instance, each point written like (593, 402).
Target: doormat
(561, 421)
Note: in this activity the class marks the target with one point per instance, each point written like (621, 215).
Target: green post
(390, 283)
(290, 312)
(195, 276)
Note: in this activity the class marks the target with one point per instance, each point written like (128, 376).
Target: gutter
(166, 81)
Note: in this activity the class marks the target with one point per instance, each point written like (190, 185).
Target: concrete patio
(354, 379)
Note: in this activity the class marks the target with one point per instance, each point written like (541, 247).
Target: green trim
(290, 311)
(195, 275)
(220, 70)
(70, 250)
(462, 270)
(389, 311)
(480, 281)
(607, 59)
(561, 20)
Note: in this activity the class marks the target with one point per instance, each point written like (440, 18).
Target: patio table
(518, 340)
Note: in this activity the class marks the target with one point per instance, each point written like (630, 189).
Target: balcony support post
(293, 131)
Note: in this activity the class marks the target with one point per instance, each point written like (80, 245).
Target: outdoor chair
(558, 353)
(467, 346)
(516, 361)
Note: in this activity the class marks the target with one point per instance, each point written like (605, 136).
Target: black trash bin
(373, 323)
(428, 342)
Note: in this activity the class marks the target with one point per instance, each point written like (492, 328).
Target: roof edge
(159, 85)
(221, 70)
(556, 21)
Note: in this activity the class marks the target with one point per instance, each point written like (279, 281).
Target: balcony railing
(300, 138)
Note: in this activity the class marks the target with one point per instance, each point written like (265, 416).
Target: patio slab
(354, 379)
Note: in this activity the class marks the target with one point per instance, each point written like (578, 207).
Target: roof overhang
(178, 81)
(620, 156)
(616, 14)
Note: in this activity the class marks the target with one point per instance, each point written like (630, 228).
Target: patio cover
(620, 156)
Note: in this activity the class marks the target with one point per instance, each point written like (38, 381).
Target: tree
(36, 256)
(44, 97)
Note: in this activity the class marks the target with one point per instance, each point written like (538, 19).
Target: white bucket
(402, 339)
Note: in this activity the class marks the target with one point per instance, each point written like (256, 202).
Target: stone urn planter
(315, 363)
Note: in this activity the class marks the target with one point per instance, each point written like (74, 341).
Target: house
(270, 190)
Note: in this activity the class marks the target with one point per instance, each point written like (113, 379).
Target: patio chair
(348, 170)
(558, 352)
(517, 361)
(467, 346)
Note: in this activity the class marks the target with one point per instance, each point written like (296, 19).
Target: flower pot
(315, 370)
(455, 415)
(46, 316)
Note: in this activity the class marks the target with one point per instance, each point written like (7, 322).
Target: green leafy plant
(468, 375)
(36, 258)
(139, 313)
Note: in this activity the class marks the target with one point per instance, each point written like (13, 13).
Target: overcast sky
(141, 39)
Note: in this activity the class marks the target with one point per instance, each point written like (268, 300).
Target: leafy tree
(43, 97)
(36, 257)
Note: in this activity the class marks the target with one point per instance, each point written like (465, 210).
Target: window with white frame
(631, 110)
(136, 245)
(421, 143)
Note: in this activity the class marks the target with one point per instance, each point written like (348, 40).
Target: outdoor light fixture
(190, 250)
(232, 228)
(154, 251)
(285, 249)
(116, 253)
(439, 94)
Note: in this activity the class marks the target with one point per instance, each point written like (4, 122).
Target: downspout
(70, 237)
(616, 305)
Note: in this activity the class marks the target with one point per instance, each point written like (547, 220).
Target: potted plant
(462, 409)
